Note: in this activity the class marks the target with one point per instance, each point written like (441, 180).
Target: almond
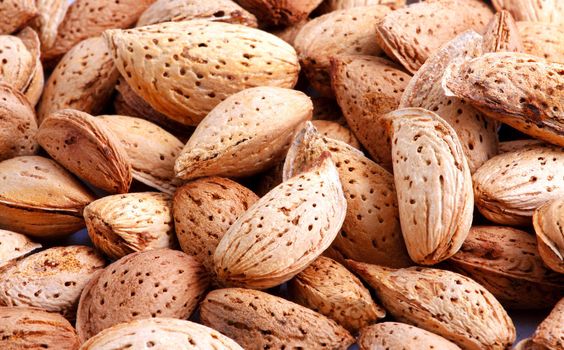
(87, 148)
(247, 133)
(394, 335)
(367, 88)
(34, 88)
(411, 34)
(160, 333)
(40, 198)
(334, 5)
(151, 150)
(509, 187)
(336, 131)
(51, 279)
(14, 245)
(183, 10)
(331, 35)
(543, 40)
(184, 69)
(204, 210)
(83, 80)
(502, 34)
(125, 223)
(510, 146)
(160, 282)
(433, 184)
(17, 63)
(548, 221)
(33, 328)
(506, 262)
(444, 302)
(280, 12)
(548, 11)
(50, 14)
(15, 14)
(518, 89)
(257, 320)
(549, 332)
(477, 134)
(329, 288)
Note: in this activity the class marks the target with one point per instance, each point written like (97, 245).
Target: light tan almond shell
(15, 14)
(33, 328)
(284, 12)
(247, 133)
(506, 262)
(17, 63)
(52, 279)
(288, 34)
(502, 34)
(411, 34)
(204, 209)
(184, 10)
(40, 198)
(433, 184)
(160, 334)
(477, 134)
(14, 245)
(34, 88)
(84, 80)
(443, 302)
(257, 320)
(343, 32)
(366, 88)
(50, 14)
(394, 335)
(17, 124)
(547, 11)
(336, 131)
(548, 221)
(184, 69)
(151, 150)
(510, 146)
(329, 288)
(153, 283)
(284, 231)
(521, 90)
(85, 19)
(549, 333)
(125, 223)
(509, 187)
(334, 5)
(87, 148)
(543, 40)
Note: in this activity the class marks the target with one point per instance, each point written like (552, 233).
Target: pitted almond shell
(443, 302)
(546, 11)
(549, 333)
(15, 14)
(40, 198)
(17, 63)
(184, 10)
(510, 146)
(283, 13)
(336, 131)
(125, 223)
(543, 40)
(52, 279)
(257, 320)
(34, 88)
(14, 245)
(548, 221)
(334, 5)
(86, 147)
(502, 34)
(50, 14)
(184, 69)
(395, 335)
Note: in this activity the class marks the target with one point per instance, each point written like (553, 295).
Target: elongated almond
(34, 87)
(502, 34)
(547, 11)
(548, 221)
(549, 333)
(50, 13)
(15, 14)
(17, 63)
(280, 12)
(334, 5)
(543, 40)
(394, 335)
(14, 245)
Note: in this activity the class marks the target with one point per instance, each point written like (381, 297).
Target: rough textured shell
(548, 221)
(549, 332)
(521, 90)
(509, 187)
(83, 80)
(433, 184)
(411, 34)
(40, 198)
(184, 69)
(547, 11)
(257, 320)
(125, 223)
(17, 63)
(50, 14)
(184, 10)
(32, 328)
(151, 150)
(15, 14)
(87, 148)
(336, 131)
(502, 34)
(506, 262)
(340, 32)
(160, 334)
(334, 5)
(543, 40)
(366, 88)
(394, 335)
(204, 210)
(442, 302)
(14, 245)
(280, 12)
(160, 282)
(477, 134)
(510, 146)
(247, 133)
(34, 88)
(329, 288)
(51, 279)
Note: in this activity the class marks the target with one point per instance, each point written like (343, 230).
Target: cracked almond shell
(548, 334)
(15, 14)
(543, 40)
(548, 221)
(502, 34)
(14, 245)
(395, 335)
(546, 11)
(282, 13)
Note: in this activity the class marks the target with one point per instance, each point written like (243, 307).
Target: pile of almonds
(232, 202)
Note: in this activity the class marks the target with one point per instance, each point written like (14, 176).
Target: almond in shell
(50, 13)
(280, 12)
(548, 335)
(546, 11)
(502, 34)
(14, 245)
(34, 87)
(548, 221)
(336, 131)
(543, 40)
(17, 63)
(395, 335)
(15, 14)
(334, 5)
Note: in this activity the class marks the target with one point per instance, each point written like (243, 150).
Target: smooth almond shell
(87, 148)
(15, 14)
(257, 320)
(443, 302)
(502, 34)
(50, 14)
(280, 12)
(336, 131)
(543, 40)
(549, 333)
(546, 11)
(52, 279)
(34, 88)
(548, 221)
(14, 245)
(334, 5)
(40, 198)
(184, 69)
(17, 63)
(394, 335)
